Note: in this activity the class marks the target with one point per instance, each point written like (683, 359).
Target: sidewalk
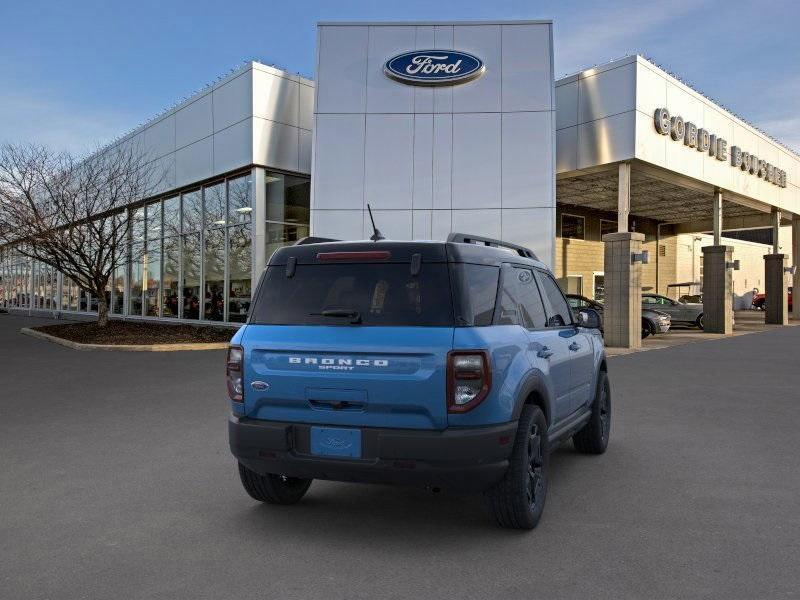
(747, 321)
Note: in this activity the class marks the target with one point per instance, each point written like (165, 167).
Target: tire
(271, 488)
(517, 501)
(593, 438)
(699, 321)
(646, 329)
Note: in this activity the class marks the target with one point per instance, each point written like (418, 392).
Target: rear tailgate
(348, 375)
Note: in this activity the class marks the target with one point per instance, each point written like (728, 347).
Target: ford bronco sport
(454, 365)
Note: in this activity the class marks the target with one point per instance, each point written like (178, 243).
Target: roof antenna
(377, 235)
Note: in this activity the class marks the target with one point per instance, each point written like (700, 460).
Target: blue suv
(450, 365)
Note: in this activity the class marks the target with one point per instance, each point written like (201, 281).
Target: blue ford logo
(434, 67)
(337, 443)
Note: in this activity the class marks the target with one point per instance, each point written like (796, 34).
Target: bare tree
(70, 213)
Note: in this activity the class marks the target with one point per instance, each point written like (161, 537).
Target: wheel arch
(535, 392)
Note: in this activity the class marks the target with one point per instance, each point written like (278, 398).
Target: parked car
(681, 313)
(653, 321)
(760, 300)
(691, 299)
(453, 364)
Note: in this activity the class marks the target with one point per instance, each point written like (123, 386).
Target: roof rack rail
(313, 240)
(466, 238)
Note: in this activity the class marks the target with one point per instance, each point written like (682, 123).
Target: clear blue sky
(74, 74)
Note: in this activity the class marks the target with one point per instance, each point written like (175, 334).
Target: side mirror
(589, 318)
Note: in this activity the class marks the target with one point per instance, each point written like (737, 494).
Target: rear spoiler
(313, 240)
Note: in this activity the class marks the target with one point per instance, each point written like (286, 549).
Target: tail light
(469, 379)
(234, 373)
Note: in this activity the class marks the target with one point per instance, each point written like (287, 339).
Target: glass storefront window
(119, 291)
(191, 276)
(239, 209)
(154, 220)
(239, 273)
(172, 216)
(73, 295)
(214, 197)
(282, 234)
(65, 286)
(192, 211)
(135, 282)
(193, 254)
(214, 264)
(48, 287)
(288, 198)
(137, 225)
(573, 227)
(169, 277)
(152, 277)
(38, 293)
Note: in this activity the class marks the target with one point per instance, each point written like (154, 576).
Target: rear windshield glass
(361, 294)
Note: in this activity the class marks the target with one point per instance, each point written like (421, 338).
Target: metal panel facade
(478, 156)
(606, 114)
(256, 115)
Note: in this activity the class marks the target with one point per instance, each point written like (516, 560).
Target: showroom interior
(606, 163)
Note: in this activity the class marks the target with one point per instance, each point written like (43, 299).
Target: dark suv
(453, 364)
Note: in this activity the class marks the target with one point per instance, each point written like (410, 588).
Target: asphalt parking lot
(116, 482)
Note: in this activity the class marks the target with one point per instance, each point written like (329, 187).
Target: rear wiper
(342, 313)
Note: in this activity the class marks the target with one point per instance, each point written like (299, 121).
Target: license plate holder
(336, 442)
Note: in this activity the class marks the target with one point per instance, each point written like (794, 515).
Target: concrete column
(717, 217)
(623, 197)
(622, 315)
(717, 290)
(796, 263)
(258, 195)
(776, 289)
(776, 231)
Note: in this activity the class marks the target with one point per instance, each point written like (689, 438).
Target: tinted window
(520, 302)
(559, 310)
(476, 290)
(381, 294)
(572, 227)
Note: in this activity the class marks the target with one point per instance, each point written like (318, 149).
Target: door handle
(574, 347)
(545, 352)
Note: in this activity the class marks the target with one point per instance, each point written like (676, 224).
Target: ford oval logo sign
(434, 67)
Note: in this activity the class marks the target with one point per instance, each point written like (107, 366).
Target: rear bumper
(465, 459)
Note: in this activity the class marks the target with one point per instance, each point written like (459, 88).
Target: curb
(125, 347)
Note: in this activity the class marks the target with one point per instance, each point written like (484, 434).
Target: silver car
(682, 313)
(653, 321)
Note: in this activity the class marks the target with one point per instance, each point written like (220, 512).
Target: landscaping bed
(136, 333)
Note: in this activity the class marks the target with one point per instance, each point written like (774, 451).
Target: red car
(760, 300)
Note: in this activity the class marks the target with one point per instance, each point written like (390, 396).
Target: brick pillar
(717, 290)
(622, 314)
(777, 312)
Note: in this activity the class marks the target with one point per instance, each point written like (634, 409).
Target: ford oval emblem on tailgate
(260, 385)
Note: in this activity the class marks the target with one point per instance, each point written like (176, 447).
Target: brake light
(367, 255)
(469, 379)
(234, 373)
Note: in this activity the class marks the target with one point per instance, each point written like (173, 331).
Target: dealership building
(621, 177)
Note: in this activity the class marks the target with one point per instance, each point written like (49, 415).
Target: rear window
(380, 293)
